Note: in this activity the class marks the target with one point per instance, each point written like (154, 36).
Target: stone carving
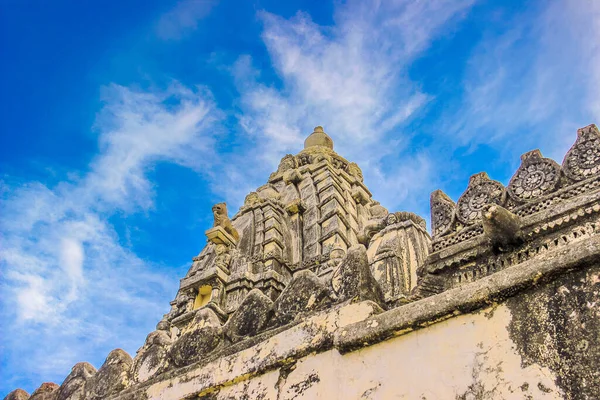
(223, 258)
(73, 388)
(442, 213)
(250, 317)
(354, 170)
(353, 280)
(45, 392)
(287, 162)
(222, 219)
(583, 159)
(18, 394)
(306, 292)
(112, 377)
(184, 303)
(535, 177)
(198, 339)
(153, 353)
(502, 227)
(481, 191)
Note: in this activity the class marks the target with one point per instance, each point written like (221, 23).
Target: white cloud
(68, 285)
(183, 18)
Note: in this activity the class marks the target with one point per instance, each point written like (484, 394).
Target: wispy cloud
(534, 84)
(67, 283)
(183, 18)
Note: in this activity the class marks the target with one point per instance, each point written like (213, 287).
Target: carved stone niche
(536, 177)
(481, 191)
(582, 161)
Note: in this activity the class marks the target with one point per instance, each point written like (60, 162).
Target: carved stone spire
(318, 138)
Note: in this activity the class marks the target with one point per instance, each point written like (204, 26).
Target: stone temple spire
(318, 138)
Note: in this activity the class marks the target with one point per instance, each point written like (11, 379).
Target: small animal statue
(222, 220)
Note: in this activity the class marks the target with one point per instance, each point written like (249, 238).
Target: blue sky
(123, 122)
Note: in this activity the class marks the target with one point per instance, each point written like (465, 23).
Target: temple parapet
(491, 227)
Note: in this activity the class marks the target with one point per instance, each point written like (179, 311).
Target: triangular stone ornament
(583, 159)
(536, 177)
(481, 191)
(442, 213)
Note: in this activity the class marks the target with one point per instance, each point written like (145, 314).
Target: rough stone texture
(154, 355)
(558, 327)
(18, 394)
(352, 280)
(47, 391)
(202, 336)
(251, 316)
(111, 378)
(73, 387)
(305, 293)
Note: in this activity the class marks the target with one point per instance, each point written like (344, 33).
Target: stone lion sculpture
(222, 220)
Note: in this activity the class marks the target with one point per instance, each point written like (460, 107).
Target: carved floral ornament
(583, 159)
(481, 191)
(537, 176)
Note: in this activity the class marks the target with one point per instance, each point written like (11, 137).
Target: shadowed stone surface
(203, 335)
(353, 278)
(250, 317)
(18, 394)
(111, 378)
(305, 293)
(47, 391)
(73, 388)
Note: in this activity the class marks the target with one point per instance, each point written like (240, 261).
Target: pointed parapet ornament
(481, 191)
(582, 161)
(442, 213)
(536, 177)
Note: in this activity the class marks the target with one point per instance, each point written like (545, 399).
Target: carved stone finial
(583, 159)
(535, 177)
(318, 138)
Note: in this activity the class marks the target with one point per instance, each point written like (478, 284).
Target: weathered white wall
(466, 357)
